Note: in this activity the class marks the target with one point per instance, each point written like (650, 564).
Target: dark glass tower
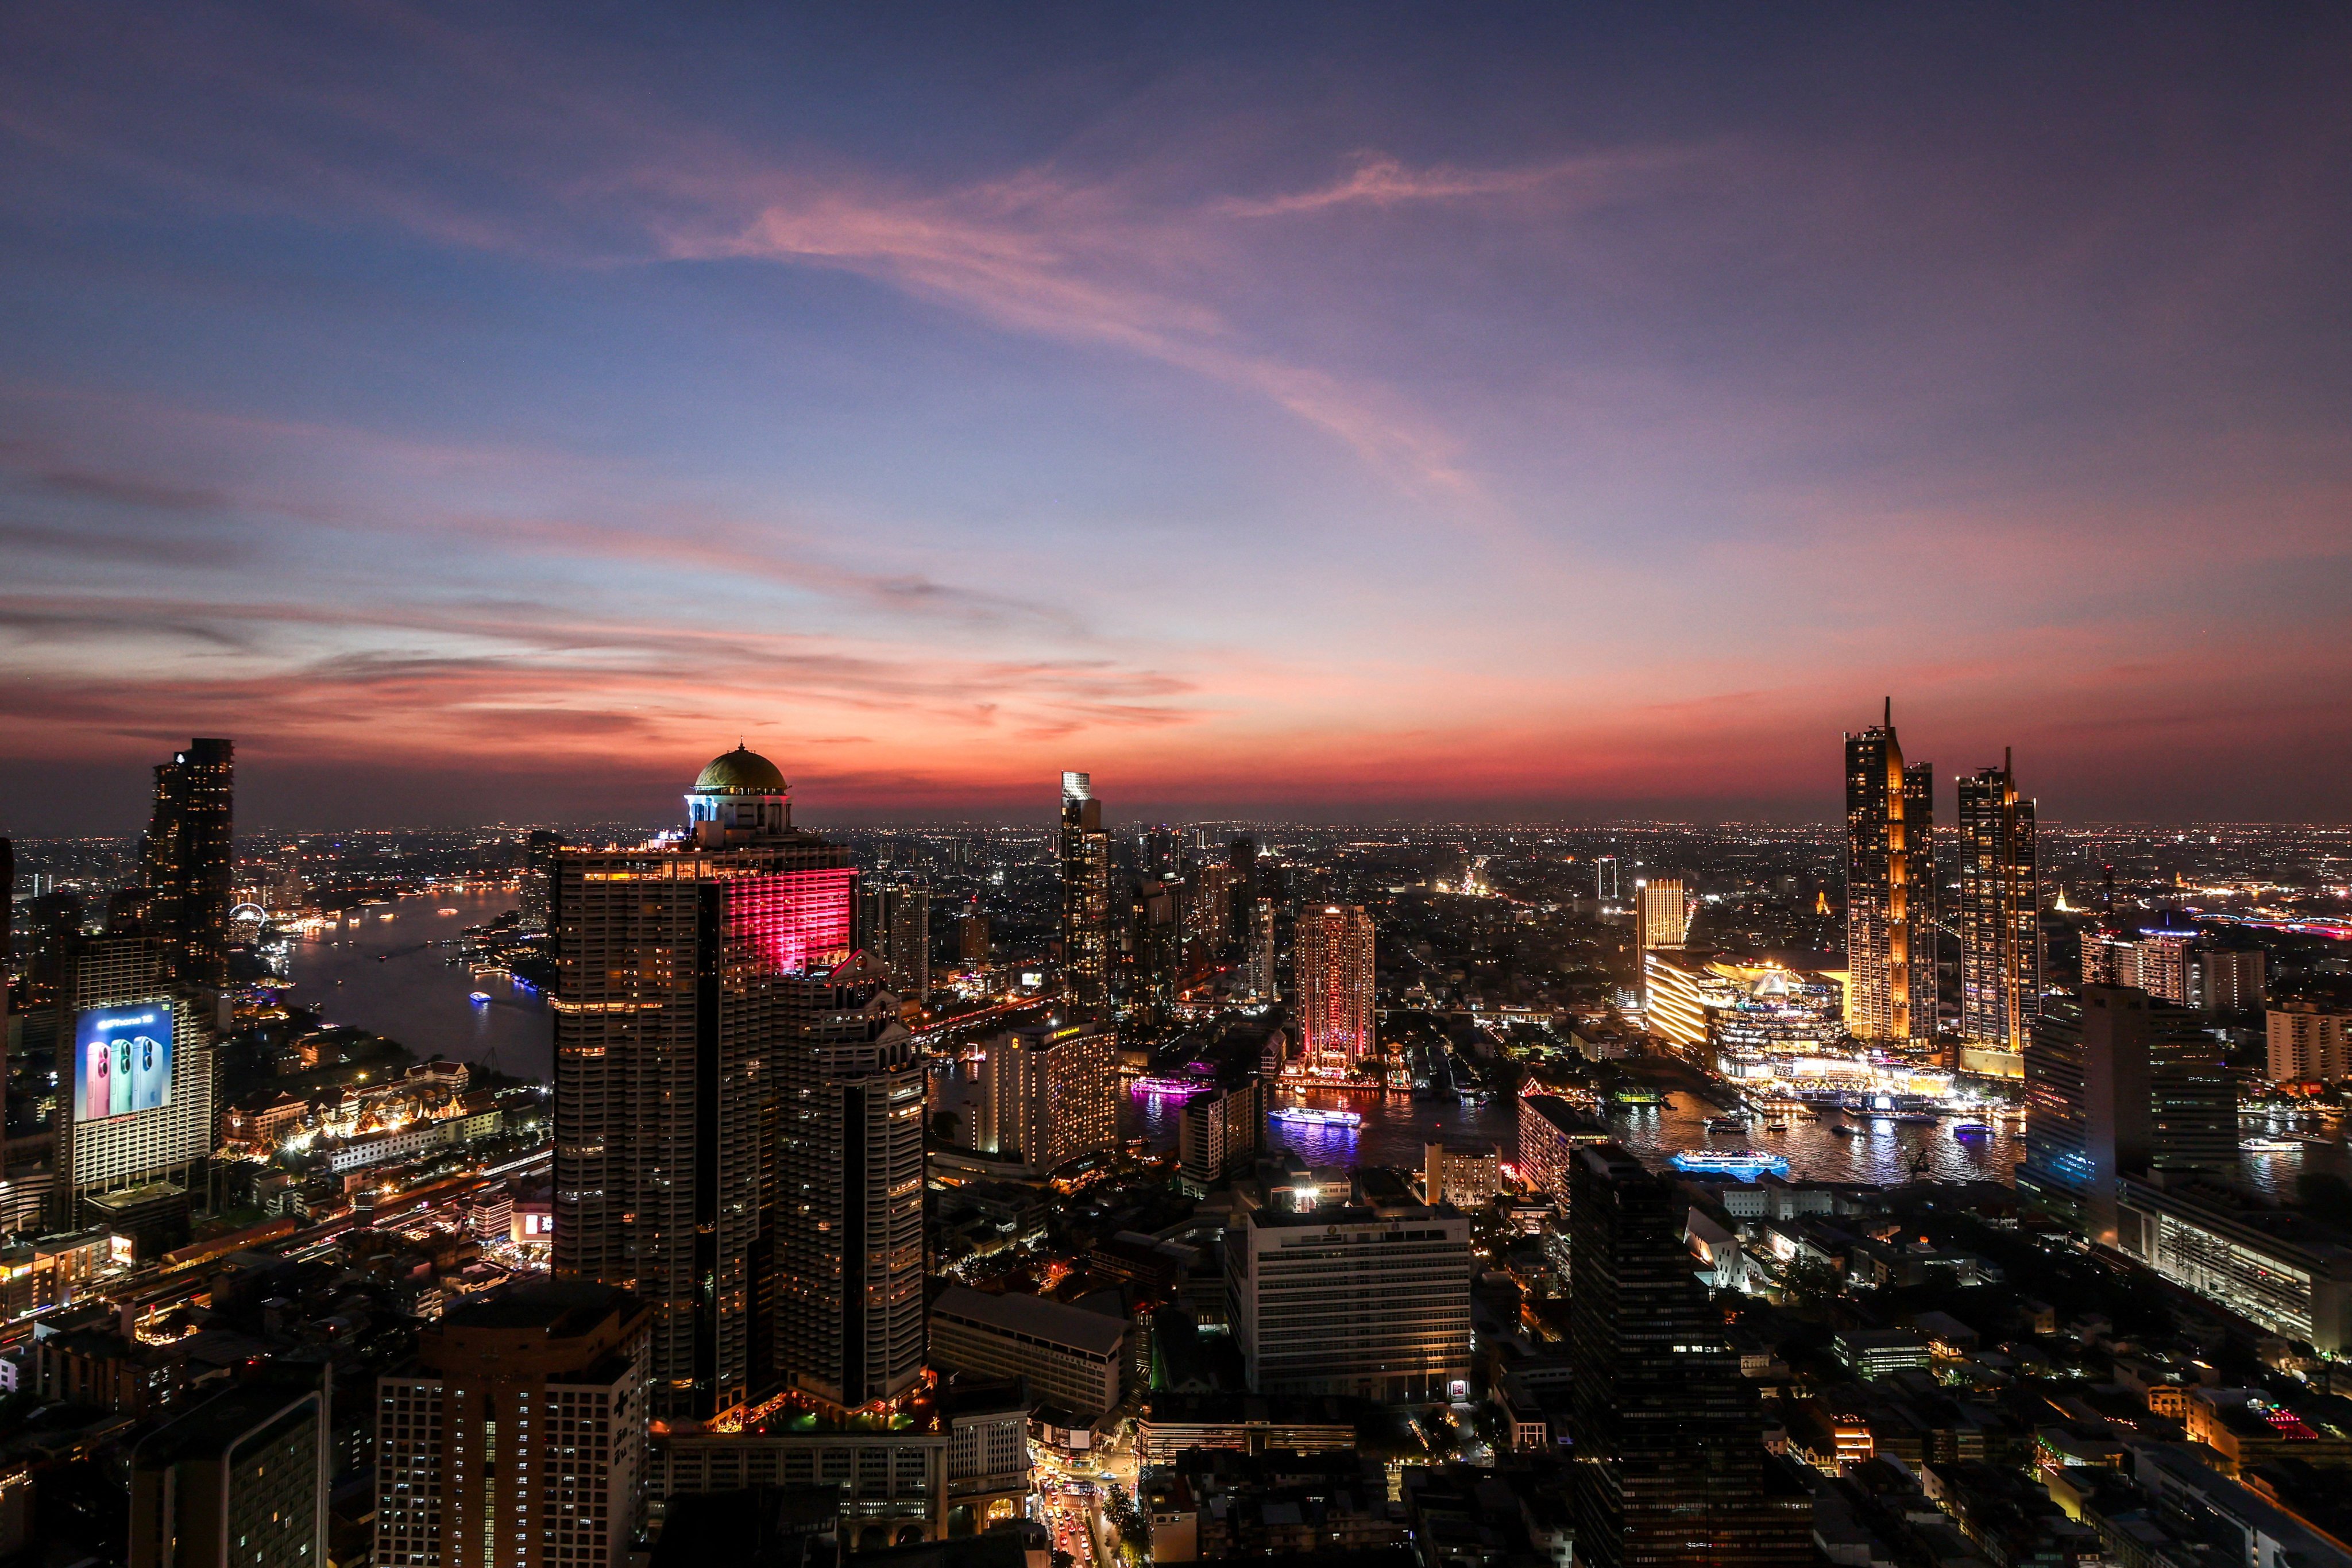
(1671, 1467)
(2119, 1082)
(191, 860)
(1999, 910)
(1921, 843)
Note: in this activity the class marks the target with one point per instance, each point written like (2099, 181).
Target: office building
(1550, 1132)
(1049, 1094)
(1074, 1358)
(1370, 1303)
(518, 1441)
(134, 1075)
(1669, 1437)
(1086, 893)
(1922, 845)
(2306, 1043)
(190, 859)
(895, 930)
(1220, 1131)
(734, 1104)
(2000, 911)
(2121, 1083)
(1886, 999)
(239, 1482)
(1209, 910)
(1661, 913)
(1333, 1000)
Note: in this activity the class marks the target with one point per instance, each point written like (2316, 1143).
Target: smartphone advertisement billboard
(123, 1061)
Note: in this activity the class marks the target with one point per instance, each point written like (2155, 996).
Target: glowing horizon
(1501, 415)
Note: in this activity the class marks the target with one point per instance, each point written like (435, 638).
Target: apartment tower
(1086, 893)
(1334, 1000)
(1888, 996)
(1999, 910)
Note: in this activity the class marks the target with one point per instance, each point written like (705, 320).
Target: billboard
(123, 1061)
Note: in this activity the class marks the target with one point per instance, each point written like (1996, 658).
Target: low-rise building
(1071, 1357)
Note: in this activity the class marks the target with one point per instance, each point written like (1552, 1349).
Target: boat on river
(1728, 1162)
(1313, 1116)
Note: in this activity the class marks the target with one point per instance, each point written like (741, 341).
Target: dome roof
(741, 772)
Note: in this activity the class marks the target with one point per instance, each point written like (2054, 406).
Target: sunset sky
(491, 412)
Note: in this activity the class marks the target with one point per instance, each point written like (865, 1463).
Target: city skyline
(1273, 415)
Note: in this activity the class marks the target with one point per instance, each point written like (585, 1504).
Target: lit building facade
(1261, 984)
(1074, 1358)
(190, 860)
(519, 1439)
(1662, 916)
(239, 1482)
(1050, 1092)
(1335, 975)
(1360, 1302)
(1086, 893)
(2267, 1265)
(1888, 998)
(895, 927)
(2000, 911)
(162, 1133)
(2306, 1043)
(1550, 1132)
(734, 1104)
(1750, 1021)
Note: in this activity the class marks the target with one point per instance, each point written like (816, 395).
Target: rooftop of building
(209, 1429)
(561, 1309)
(1035, 1316)
(1354, 1215)
(740, 771)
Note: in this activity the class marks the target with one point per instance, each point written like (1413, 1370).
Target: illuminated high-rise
(1334, 993)
(1661, 913)
(2000, 911)
(1086, 893)
(1884, 993)
(895, 929)
(1050, 1094)
(1922, 843)
(735, 1106)
(1259, 941)
(190, 859)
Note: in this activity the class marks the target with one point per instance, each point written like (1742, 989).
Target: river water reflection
(393, 977)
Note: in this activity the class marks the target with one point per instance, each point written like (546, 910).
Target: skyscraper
(734, 1104)
(2118, 1083)
(1243, 856)
(1335, 977)
(896, 931)
(537, 879)
(1086, 893)
(190, 860)
(1260, 943)
(1051, 1092)
(1922, 843)
(1660, 917)
(519, 1440)
(1999, 910)
(1880, 990)
(134, 1074)
(1669, 1438)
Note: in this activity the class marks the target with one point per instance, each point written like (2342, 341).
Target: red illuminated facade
(1335, 982)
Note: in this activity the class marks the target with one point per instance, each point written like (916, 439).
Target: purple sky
(485, 411)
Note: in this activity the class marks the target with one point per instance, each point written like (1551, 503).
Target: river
(393, 977)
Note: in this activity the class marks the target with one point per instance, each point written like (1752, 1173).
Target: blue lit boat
(1728, 1162)
(1169, 1086)
(1971, 1130)
(478, 997)
(1307, 1115)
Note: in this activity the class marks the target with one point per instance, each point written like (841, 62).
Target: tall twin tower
(738, 1110)
(1895, 907)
